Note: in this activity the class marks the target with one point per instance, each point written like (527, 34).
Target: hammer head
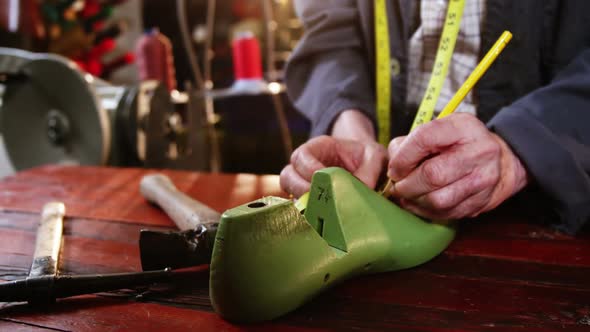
(193, 247)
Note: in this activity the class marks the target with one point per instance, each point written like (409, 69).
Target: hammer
(197, 222)
(44, 283)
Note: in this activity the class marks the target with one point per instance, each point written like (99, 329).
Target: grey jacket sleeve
(549, 129)
(328, 72)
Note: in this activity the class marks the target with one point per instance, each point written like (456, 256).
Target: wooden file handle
(186, 212)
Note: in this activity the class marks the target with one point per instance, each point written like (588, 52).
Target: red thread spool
(154, 59)
(246, 57)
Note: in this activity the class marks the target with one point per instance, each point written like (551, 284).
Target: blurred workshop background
(183, 84)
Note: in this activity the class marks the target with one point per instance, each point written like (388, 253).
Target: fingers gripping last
(362, 159)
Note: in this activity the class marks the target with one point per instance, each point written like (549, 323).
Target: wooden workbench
(503, 272)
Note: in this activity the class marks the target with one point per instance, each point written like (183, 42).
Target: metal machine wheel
(52, 116)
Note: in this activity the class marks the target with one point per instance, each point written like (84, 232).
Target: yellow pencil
(475, 75)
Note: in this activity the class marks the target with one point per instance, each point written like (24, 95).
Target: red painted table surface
(503, 272)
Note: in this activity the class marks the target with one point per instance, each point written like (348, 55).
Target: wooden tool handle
(49, 238)
(186, 212)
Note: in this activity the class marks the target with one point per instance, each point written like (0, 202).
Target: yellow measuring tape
(382, 71)
(439, 70)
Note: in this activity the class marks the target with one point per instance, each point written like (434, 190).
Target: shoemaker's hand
(453, 168)
(351, 147)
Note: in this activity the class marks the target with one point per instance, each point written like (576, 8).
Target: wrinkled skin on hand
(453, 168)
(365, 160)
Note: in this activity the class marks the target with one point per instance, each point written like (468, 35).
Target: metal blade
(159, 250)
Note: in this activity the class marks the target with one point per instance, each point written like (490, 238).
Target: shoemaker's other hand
(351, 147)
(453, 168)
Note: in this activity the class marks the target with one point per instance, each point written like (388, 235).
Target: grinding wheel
(53, 117)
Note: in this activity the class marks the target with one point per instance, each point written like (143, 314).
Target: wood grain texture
(16, 326)
(113, 194)
(503, 272)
